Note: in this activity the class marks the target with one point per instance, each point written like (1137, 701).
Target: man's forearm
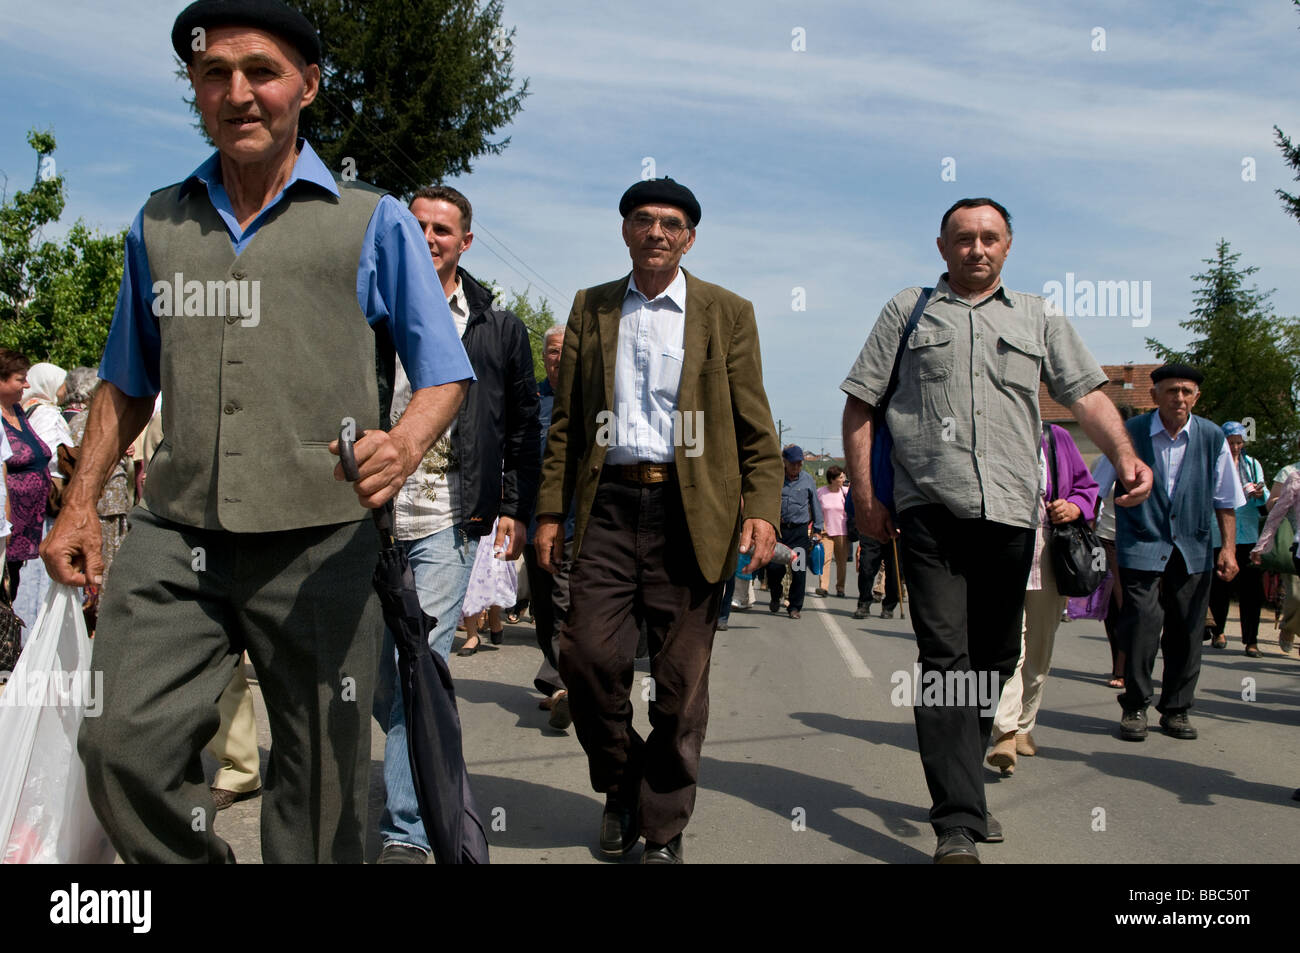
(1227, 528)
(115, 419)
(857, 445)
(1101, 422)
(426, 418)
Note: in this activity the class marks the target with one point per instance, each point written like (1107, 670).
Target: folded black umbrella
(433, 737)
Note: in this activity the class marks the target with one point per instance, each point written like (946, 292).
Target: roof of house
(1127, 384)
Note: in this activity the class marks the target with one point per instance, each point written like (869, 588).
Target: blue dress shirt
(397, 284)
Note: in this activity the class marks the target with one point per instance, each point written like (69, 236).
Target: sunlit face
(250, 86)
(1175, 399)
(551, 357)
(837, 482)
(975, 244)
(1235, 443)
(12, 387)
(657, 237)
(444, 232)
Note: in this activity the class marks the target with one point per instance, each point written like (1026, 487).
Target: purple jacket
(1072, 476)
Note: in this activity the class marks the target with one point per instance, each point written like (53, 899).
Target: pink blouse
(832, 503)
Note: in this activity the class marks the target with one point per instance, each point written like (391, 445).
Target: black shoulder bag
(1077, 555)
(882, 441)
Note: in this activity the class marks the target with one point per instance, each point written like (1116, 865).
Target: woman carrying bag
(1069, 494)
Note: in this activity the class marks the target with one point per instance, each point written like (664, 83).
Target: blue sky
(817, 169)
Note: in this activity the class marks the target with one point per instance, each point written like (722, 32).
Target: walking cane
(898, 574)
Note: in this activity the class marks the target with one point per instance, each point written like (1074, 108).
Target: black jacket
(497, 440)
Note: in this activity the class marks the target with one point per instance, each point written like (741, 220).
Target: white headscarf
(43, 383)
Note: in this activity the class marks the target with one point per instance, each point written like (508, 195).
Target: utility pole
(780, 433)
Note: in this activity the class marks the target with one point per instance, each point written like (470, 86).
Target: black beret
(660, 192)
(269, 15)
(1182, 372)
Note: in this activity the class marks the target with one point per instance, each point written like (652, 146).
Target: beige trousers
(235, 743)
(836, 549)
(1023, 692)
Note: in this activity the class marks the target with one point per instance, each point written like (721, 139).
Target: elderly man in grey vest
(253, 296)
(1165, 552)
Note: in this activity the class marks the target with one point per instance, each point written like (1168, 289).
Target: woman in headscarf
(28, 479)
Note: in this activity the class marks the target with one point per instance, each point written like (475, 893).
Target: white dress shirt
(1169, 452)
(648, 375)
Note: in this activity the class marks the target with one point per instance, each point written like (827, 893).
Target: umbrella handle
(383, 516)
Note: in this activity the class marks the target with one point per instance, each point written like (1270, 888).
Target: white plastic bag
(45, 813)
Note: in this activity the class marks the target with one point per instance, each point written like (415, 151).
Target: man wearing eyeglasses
(660, 429)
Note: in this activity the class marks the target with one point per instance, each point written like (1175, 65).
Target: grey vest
(250, 403)
(1145, 535)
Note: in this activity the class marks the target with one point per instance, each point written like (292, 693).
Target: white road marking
(857, 667)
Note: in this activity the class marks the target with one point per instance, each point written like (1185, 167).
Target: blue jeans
(441, 564)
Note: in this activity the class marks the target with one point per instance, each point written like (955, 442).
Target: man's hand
(1063, 511)
(1226, 564)
(384, 461)
(758, 538)
(1256, 558)
(72, 550)
(873, 519)
(1137, 479)
(508, 526)
(549, 543)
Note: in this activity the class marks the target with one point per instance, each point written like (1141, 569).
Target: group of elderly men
(347, 275)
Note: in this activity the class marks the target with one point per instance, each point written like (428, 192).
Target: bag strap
(902, 346)
(1051, 459)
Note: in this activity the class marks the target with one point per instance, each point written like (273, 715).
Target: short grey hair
(81, 382)
(552, 331)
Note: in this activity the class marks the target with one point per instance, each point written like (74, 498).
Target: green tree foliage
(1250, 358)
(412, 90)
(1291, 153)
(56, 298)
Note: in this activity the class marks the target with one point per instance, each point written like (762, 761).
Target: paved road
(802, 729)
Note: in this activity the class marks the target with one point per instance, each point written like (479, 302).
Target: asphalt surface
(808, 760)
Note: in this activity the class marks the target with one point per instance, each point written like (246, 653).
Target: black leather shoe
(669, 853)
(1133, 726)
(619, 829)
(774, 608)
(994, 828)
(861, 612)
(1176, 725)
(402, 854)
(794, 614)
(956, 846)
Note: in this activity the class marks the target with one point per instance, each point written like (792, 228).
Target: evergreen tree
(1250, 358)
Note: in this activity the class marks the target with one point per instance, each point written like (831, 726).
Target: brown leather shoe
(1003, 755)
(1025, 744)
(223, 798)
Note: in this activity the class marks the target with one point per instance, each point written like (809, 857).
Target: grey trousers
(184, 604)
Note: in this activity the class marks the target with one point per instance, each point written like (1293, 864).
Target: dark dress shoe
(861, 612)
(619, 828)
(956, 846)
(223, 798)
(1176, 725)
(994, 828)
(774, 608)
(794, 613)
(402, 854)
(669, 853)
(886, 613)
(1133, 726)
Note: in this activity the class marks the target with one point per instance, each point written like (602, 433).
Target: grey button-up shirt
(799, 503)
(965, 415)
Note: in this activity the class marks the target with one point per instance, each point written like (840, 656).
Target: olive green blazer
(722, 376)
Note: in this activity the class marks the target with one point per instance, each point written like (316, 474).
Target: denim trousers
(441, 564)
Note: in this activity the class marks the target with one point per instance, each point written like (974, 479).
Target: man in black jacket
(486, 466)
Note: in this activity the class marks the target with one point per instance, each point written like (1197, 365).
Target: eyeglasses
(672, 227)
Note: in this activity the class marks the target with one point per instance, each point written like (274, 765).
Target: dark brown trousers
(637, 565)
